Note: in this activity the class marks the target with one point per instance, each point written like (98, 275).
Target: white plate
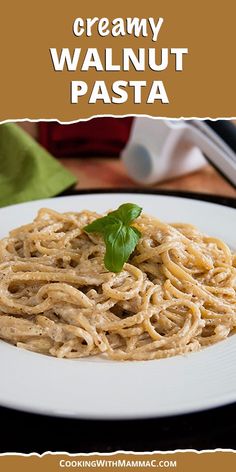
(99, 389)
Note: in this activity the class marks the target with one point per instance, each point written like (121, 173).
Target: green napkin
(27, 171)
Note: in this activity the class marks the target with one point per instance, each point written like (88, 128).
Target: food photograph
(118, 285)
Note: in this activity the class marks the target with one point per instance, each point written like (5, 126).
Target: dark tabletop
(25, 433)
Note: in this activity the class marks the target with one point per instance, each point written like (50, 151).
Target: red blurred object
(96, 137)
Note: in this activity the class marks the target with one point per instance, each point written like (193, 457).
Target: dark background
(25, 433)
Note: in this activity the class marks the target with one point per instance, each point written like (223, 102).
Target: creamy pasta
(175, 295)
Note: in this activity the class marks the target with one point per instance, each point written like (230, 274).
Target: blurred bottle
(159, 150)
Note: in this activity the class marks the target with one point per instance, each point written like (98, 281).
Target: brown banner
(191, 44)
(173, 461)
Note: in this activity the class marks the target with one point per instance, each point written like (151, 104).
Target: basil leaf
(127, 212)
(120, 238)
(101, 225)
(119, 246)
(138, 234)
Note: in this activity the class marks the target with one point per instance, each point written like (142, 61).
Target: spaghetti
(175, 295)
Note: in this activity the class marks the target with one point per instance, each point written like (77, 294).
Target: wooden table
(94, 173)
